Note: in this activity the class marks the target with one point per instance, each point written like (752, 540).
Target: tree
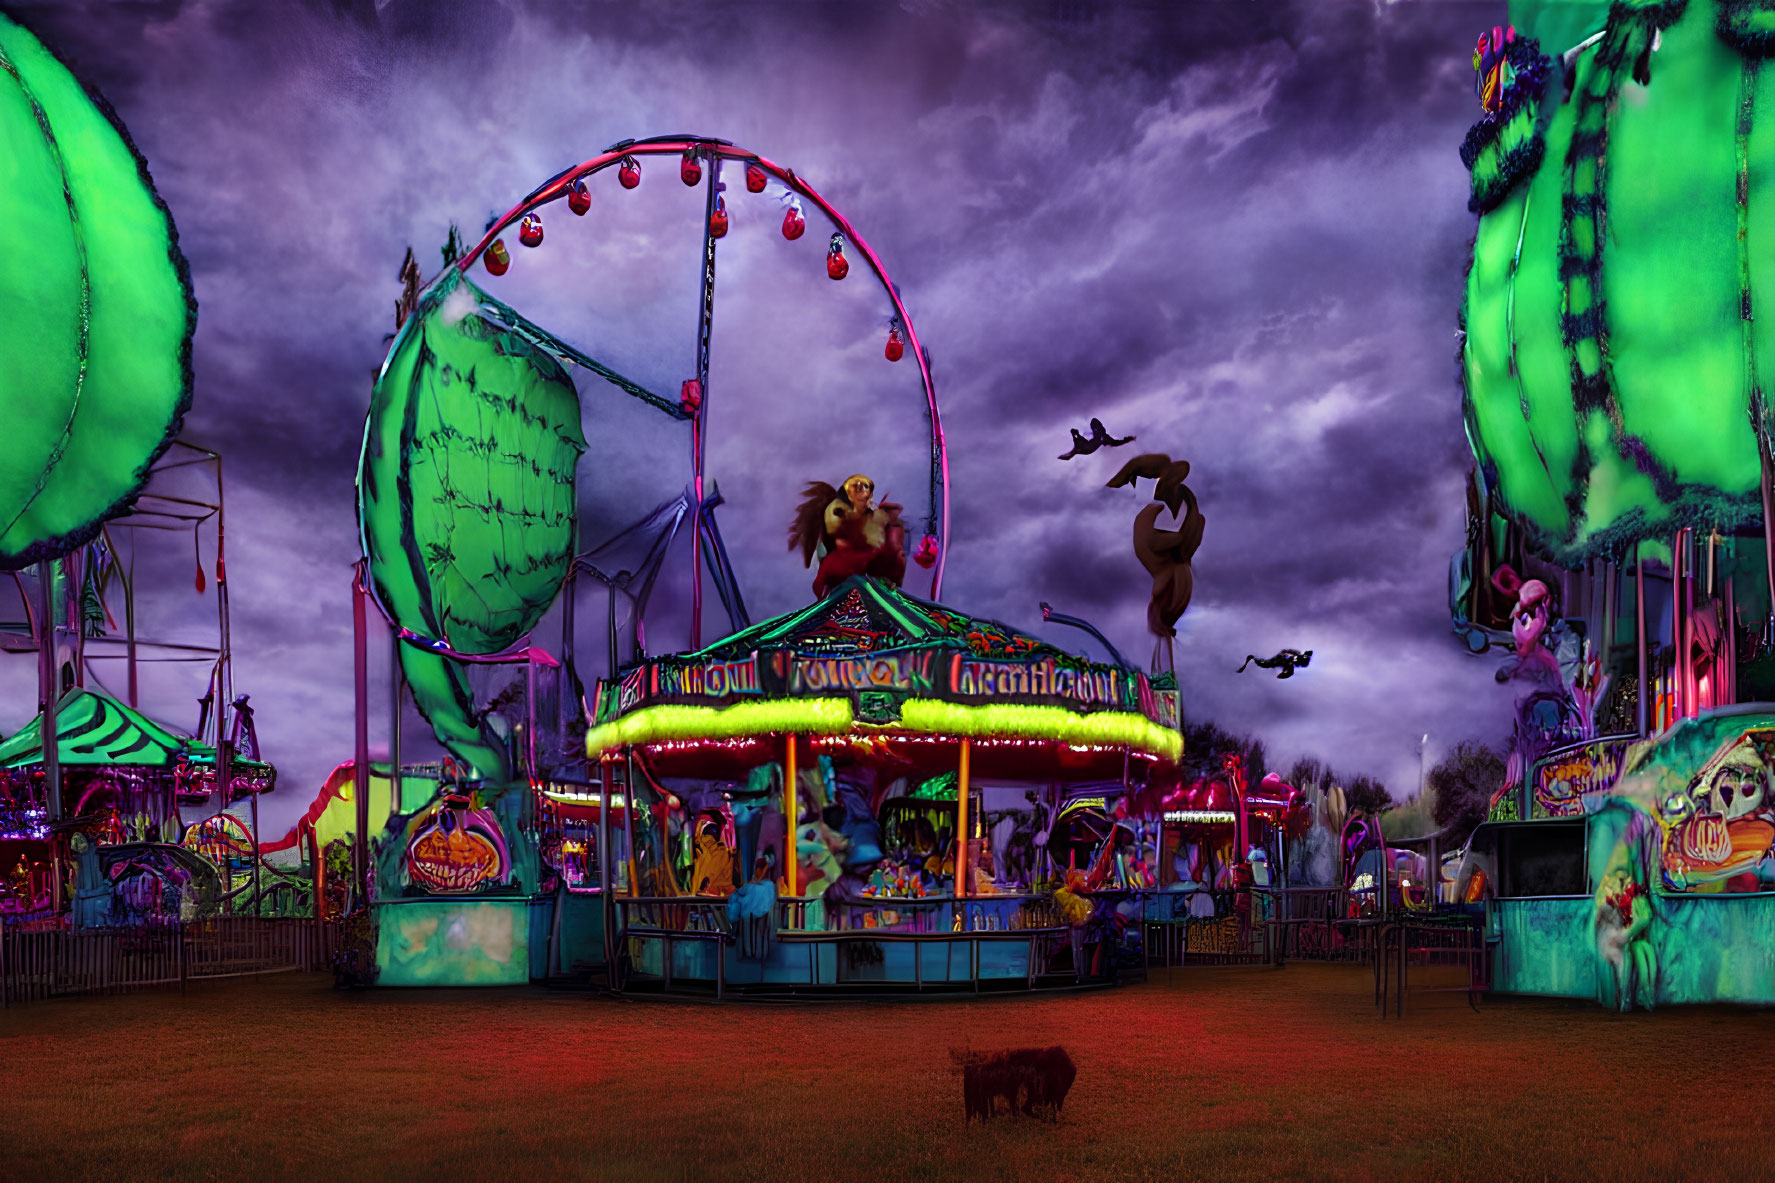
(1368, 795)
(1463, 783)
(1205, 742)
(1307, 772)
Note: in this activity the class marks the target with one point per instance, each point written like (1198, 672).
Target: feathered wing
(808, 527)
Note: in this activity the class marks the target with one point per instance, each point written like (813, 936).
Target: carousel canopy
(871, 658)
(1617, 351)
(95, 729)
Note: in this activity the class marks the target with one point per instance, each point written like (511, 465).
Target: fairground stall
(857, 794)
(1616, 354)
(126, 783)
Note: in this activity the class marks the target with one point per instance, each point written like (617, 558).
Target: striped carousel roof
(95, 729)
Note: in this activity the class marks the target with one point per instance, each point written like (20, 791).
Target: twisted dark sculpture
(1166, 554)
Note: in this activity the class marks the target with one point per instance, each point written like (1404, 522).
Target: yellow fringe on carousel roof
(1003, 721)
(803, 716)
(833, 716)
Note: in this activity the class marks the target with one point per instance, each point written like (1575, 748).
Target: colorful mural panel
(455, 847)
(1576, 781)
(453, 943)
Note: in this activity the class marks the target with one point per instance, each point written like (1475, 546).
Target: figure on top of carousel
(853, 534)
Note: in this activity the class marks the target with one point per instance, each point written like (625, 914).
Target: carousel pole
(253, 808)
(961, 824)
(49, 689)
(605, 902)
(1644, 705)
(1731, 624)
(1679, 625)
(628, 816)
(791, 808)
(360, 771)
(129, 623)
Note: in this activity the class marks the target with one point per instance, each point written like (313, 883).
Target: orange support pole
(792, 823)
(961, 822)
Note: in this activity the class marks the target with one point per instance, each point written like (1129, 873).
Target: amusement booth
(1616, 353)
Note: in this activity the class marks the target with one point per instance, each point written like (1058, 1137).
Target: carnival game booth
(124, 781)
(1221, 847)
(851, 796)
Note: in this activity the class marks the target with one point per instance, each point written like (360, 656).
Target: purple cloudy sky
(1234, 228)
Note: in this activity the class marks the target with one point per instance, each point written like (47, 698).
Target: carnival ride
(1621, 540)
(873, 791)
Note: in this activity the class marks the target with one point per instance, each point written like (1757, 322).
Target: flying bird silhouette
(1287, 661)
(1100, 438)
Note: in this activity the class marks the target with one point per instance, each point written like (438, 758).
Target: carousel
(876, 790)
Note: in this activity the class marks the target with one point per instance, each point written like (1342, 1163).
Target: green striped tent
(1619, 318)
(96, 730)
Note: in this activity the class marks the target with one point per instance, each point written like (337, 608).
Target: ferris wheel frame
(716, 151)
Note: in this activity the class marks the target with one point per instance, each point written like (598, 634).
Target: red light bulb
(793, 224)
(718, 219)
(690, 170)
(926, 554)
(530, 230)
(896, 348)
(630, 172)
(690, 397)
(579, 198)
(754, 179)
(837, 266)
(496, 258)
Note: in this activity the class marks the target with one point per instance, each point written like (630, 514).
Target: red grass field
(1202, 1073)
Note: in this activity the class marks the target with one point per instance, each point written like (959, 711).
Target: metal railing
(47, 964)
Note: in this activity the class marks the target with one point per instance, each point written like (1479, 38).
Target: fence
(39, 965)
(1452, 940)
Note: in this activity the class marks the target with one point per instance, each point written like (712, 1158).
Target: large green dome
(1620, 310)
(96, 312)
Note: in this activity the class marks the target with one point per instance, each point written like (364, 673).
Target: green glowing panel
(465, 496)
(1616, 313)
(453, 943)
(1559, 24)
(98, 314)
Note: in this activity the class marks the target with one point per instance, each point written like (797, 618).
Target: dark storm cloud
(1234, 228)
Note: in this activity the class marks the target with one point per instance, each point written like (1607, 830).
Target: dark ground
(1202, 1073)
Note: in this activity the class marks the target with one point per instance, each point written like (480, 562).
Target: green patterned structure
(1620, 310)
(465, 497)
(95, 332)
(94, 730)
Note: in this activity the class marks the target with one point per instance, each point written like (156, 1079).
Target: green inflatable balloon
(465, 496)
(95, 336)
(1619, 324)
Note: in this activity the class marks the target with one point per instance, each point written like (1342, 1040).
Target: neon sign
(882, 671)
(1095, 686)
